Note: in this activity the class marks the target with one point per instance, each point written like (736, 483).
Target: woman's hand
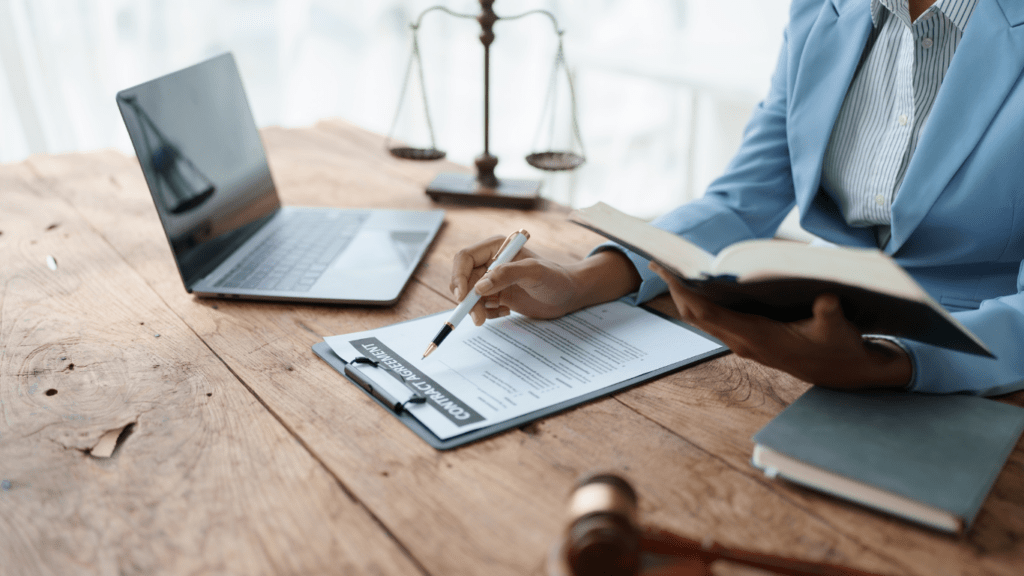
(535, 286)
(825, 349)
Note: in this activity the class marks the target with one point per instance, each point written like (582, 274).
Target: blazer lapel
(987, 64)
(834, 47)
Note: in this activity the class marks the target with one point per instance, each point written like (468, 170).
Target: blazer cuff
(913, 360)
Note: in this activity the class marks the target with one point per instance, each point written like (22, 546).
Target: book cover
(913, 455)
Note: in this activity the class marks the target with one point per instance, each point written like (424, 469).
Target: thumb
(829, 321)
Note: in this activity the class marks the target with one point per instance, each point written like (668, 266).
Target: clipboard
(355, 373)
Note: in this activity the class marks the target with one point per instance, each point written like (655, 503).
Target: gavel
(604, 538)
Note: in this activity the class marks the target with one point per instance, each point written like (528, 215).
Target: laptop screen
(203, 160)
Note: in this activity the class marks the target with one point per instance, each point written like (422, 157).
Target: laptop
(207, 171)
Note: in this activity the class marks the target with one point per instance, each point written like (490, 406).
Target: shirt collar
(958, 11)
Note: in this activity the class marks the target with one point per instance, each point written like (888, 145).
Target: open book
(780, 279)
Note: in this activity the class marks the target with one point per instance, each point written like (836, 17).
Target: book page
(484, 375)
(866, 268)
(679, 255)
(752, 260)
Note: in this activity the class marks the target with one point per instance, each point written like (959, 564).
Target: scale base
(464, 189)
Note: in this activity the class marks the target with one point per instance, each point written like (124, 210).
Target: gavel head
(603, 538)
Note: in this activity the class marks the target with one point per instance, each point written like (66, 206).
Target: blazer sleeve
(749, 200)
(999, 322)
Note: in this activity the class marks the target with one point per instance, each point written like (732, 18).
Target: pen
(506, 252)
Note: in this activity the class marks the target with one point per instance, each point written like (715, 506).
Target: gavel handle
(663, 542)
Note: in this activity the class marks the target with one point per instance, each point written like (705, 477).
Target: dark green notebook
(929, 459)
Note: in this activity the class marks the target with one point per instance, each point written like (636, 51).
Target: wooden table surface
(244, 453)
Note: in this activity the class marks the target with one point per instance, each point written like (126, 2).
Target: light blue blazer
(958, 218)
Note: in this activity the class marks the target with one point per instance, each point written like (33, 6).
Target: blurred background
(663, 87)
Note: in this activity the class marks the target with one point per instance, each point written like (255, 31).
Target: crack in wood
(110, 441)
(307, 329)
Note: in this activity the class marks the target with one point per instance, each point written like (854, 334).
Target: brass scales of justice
(485, 188)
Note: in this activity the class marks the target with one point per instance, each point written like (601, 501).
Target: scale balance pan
(418, 153)
(555, 161)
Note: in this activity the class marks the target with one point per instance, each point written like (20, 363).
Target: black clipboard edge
(324, 351)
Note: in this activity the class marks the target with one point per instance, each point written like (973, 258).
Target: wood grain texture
(703, 405)
(496, 506)
(203, 479)
(455, 512)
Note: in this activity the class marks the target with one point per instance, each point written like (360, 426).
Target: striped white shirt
(887, 105)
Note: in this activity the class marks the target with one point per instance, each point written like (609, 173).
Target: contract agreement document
(485, 375)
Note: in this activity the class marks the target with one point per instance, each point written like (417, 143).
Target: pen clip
(506, 243)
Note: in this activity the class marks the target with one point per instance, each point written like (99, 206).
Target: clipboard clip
(360, 378)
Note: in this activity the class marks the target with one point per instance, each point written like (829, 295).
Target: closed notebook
(929, 459)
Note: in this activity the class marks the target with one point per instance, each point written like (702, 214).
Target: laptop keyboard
(294, 256)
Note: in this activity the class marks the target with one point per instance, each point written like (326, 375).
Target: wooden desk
(247, 454)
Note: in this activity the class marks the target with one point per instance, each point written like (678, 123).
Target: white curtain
(664, 87)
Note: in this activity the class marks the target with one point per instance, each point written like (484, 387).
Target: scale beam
(485, 188)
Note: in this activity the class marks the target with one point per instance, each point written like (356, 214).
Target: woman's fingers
(470, 260)
(746, 335)
(470, 265)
